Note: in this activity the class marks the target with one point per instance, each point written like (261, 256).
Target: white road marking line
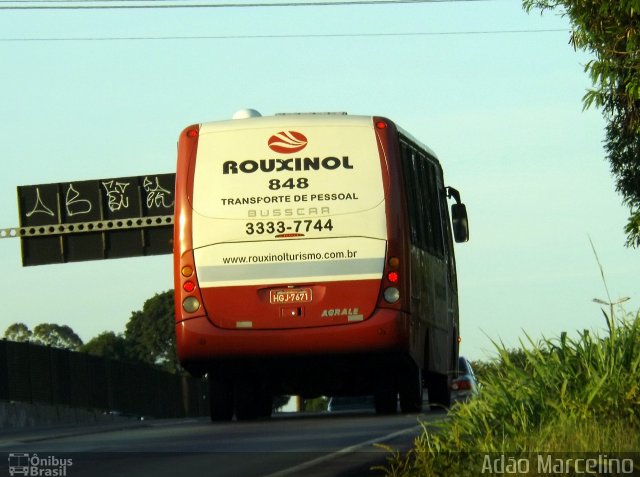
(295, 470)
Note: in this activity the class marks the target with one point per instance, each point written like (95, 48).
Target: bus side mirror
(460, 222)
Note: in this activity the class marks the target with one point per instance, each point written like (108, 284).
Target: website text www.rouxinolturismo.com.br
(290, 257)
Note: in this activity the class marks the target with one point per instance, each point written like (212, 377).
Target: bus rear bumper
(200, 343)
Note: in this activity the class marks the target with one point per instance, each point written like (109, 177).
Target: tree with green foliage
(609, 30)
(18, 332)
(149, 337)
(47, 334)
(57, 336)
(150, 332)
(108, 345)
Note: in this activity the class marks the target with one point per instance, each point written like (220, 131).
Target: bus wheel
(265, 406)
(410, 389)
(253, 399)
(439, 391)
(385, 400)
(264, 401)
(246, 399)
(220, 399)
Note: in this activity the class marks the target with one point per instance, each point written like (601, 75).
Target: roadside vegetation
(564, 395)
(149, 337)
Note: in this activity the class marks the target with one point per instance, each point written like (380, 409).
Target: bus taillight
(189, 286)
(392, 294)
(191, 299)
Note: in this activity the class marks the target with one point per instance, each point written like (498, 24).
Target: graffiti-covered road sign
(96, 219)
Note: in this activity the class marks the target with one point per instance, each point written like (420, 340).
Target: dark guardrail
(41, 374)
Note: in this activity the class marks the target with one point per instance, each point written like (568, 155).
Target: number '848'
(299, 183)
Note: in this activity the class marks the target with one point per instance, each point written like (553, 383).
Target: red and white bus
(313, 255)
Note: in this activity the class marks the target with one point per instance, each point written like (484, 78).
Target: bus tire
(220, 399)
(439, 391)
(265, 407)
(253, 399)
(265, 401)
(246, 399)
(410, 389)
(386, 400)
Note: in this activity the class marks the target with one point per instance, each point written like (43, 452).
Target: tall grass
(556, 395)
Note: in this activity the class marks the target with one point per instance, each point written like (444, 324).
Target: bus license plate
(290, 295)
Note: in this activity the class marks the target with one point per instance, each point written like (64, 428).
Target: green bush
(557, 395)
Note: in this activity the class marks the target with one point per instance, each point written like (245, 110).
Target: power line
(157, 4)
(305, 35)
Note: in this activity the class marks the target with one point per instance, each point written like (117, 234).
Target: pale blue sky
(502, 110)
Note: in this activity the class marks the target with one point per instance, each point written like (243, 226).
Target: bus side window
(448, 241)
(413, 199)
(423, 202)
(434, 243)
(433, 203)
(425, 209)
(424, 230)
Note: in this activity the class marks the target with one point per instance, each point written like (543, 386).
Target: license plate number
(293, 295)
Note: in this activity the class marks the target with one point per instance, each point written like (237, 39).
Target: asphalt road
(313, 445)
